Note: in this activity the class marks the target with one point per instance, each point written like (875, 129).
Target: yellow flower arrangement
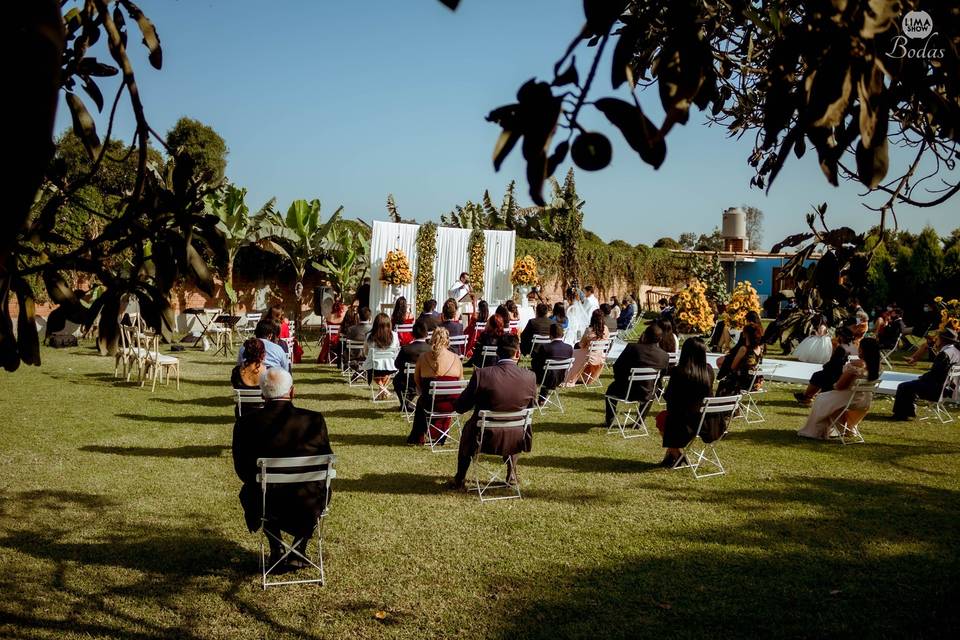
(396, 269)
(693, 312)
(743, 300)
(949, 314)
(524, 271)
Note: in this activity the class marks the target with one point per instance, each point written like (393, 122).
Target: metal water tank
(734, 230)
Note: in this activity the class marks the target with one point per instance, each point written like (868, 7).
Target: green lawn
(120, 519)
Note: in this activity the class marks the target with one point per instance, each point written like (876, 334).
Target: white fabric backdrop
(452, 260)
(388, 236)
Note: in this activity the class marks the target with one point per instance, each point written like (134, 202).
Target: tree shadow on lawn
(875, 559)
(360, 413)
(564, 427)
(178, 565)
(212, 401)
(185, 420)
(188, 451)
(590, 464)
(394, 483)
(372, 439)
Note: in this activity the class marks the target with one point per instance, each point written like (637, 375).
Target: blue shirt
(275, 356)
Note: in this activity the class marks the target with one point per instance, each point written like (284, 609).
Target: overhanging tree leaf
(150, 39)
(642, 136)
(83, 125)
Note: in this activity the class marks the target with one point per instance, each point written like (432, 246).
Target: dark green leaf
(569, 76)
(94, 92)
(791, 241)
(108, 330)
(150, 38)
(91, 67)
(59, 291)
(28, 341)
(505, 144)
(451, 4)
(872, 164)
(621, 69)
(641, 134)
(601, 14)
(200, 270)
(83, 125)
(558, 155)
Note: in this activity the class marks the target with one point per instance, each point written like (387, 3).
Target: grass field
(120, 519)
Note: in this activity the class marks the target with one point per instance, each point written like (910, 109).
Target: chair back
(333, 329)
(950, 384)
(489, 420)
(376, 353)
(641, 374)
(600, 346)
(404, 328)
(556, 365)
(763, 369)
(247, 396)
(458, 344)
(539, 340)
(673, 359)
(309, 469)
(514, 325)
(489, 351)
(479, 327)
(446, 390)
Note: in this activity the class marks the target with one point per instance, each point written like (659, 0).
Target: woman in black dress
(690, 382)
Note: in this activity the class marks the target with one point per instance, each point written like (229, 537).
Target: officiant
(462, 292)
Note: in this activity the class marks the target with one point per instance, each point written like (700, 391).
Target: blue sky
(349, 101)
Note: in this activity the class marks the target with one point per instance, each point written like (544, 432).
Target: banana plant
(300, 237)
(235, 223)
(347, 258)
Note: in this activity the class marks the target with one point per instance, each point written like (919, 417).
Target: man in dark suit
(453, 326)
(929, 385)
(280, 430)
(429, 315)
(538, 326)
(645, 353)
(502, 387)
(556, 349)
(409, 354)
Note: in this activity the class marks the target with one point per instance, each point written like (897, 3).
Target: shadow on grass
(394, 483)
(212, 401)
(186, 420)
(189, 451)
(362, 413)
(372, 439)
(173, 564)
(868, 559)
(590, 464)
(562, 427)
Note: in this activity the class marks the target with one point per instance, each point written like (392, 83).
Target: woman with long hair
(505, 315)
(332, 341)
(690, 382)
(483, 312)
(559, 315)
(586, 363)
(668, 339)
(401, 316)
(275, 315)
(736, 368)
(491, 334)
(440, 363)
(380, 349)
(829, 404)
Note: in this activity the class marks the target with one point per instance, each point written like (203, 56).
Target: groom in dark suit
(538, 326)
(645, 353)
(501, 387)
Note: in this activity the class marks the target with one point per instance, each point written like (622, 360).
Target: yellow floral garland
(396, 269)
(743, 300)
(692, 312)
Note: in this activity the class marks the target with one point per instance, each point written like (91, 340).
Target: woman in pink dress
(587, 363)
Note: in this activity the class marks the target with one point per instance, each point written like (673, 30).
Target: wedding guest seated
(559, 315)
(274, 356)
(489, 338)
(449, 318)
(280, 430)
(608, 317)
(400, 316)
(429, 315)
(690, 382)
(930, 384)
(483, 312)
(351, 329)
(382, 339)
(246, 375)
(736, 368)
(409, 354)
(503, 387)
(556, 349)
(587, 364)
(827, 376)
(538, 326)
(859, 319)
(646, 353)
(275, 315)
(512, 309)
(830, 403)
(333, 319)
(668, 339)
(436, 363)
(894, 329)
(626, 314)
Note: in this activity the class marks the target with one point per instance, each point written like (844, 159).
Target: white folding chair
(380, 389)
(248, 324)
(458, 344)
(849, 432)
(157, 364)
(448, 390)
(885, 354)
(479, 327)
(552, 396)
(251, 397)
(307, 469)
(513, 326)
(353, 363)
(493, 477)
(597, 348)
(673, 359)
(538, 340)
(411, 393)
(488, 353)
(693, 458)
(404, 328)
(749, 410)
(331, 331)
(627, 420)
(938, 408)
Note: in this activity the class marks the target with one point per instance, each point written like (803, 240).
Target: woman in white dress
(817, 347)
(380, 351)
(577, 318)
(830, 403)
(462, 293)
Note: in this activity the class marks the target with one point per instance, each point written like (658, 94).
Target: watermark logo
(917, 24)
(917, 39)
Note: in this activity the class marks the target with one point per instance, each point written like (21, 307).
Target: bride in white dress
(818, 346)
(830, 403)
(578, 319)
